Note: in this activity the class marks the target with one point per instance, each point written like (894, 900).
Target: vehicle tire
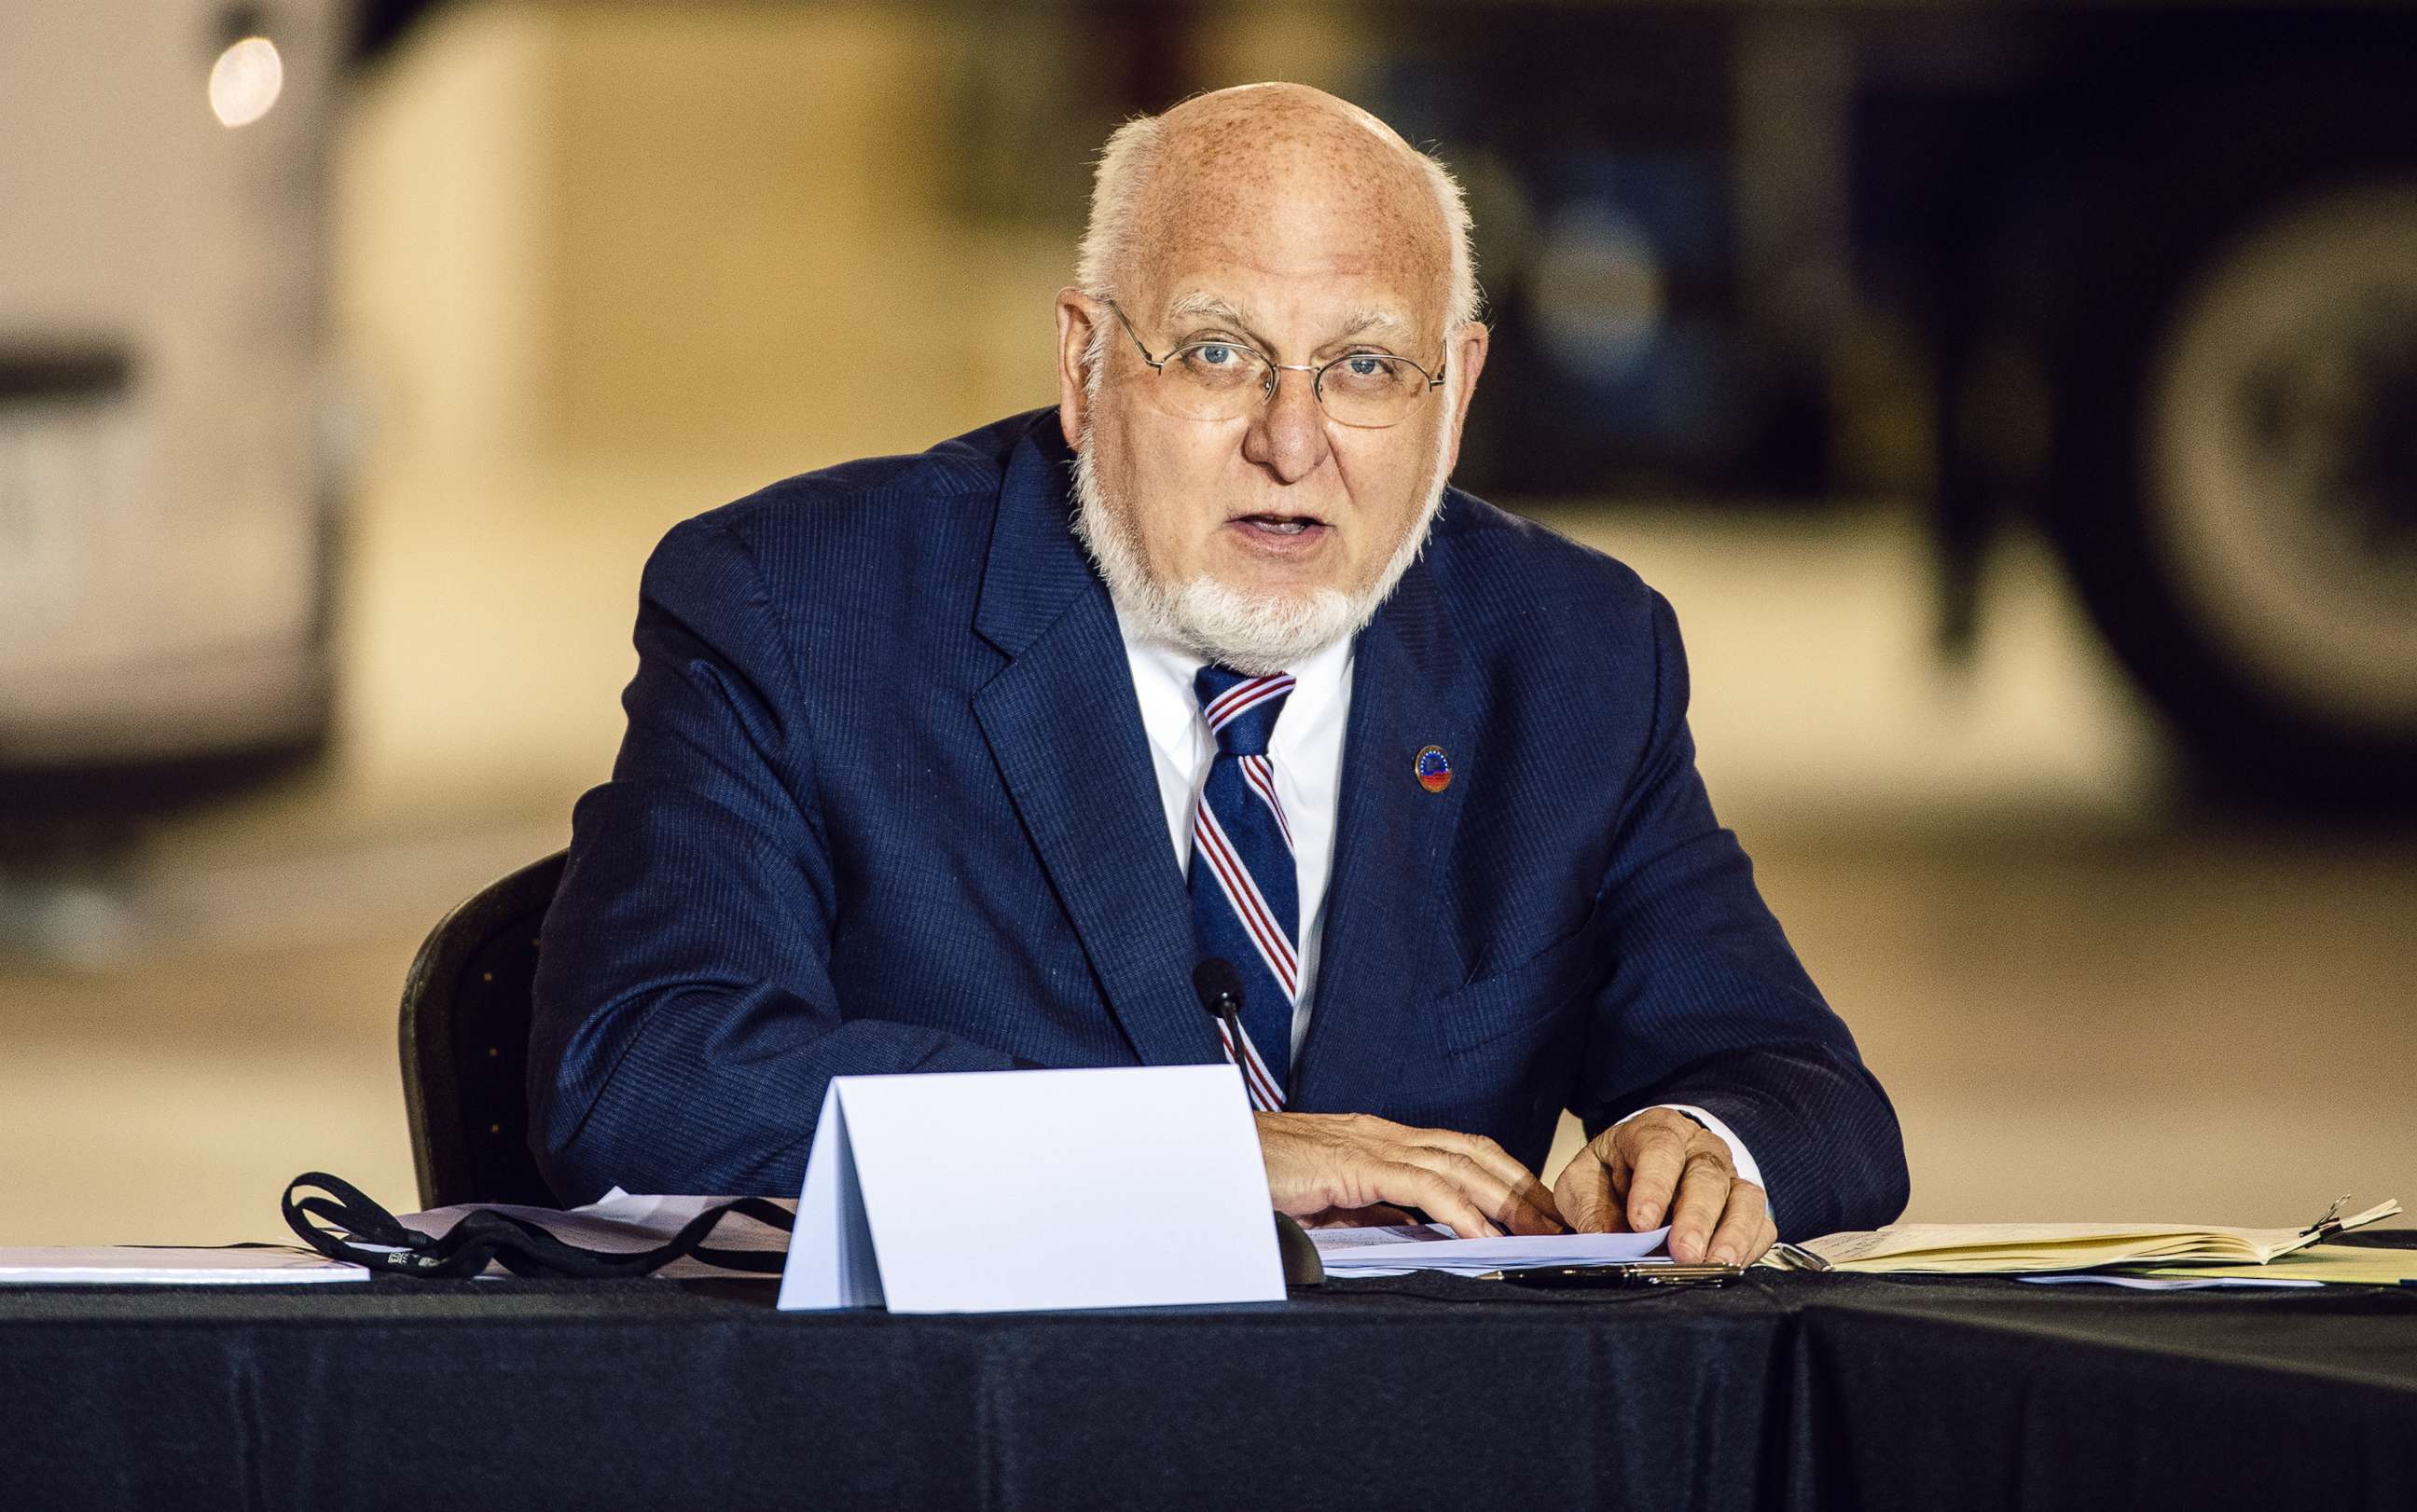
(2237, 476)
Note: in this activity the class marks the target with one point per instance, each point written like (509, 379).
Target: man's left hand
(1662, 1165)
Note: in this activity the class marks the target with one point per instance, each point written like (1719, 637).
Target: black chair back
(464, 1031)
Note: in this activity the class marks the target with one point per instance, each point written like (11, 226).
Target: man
(909, 739)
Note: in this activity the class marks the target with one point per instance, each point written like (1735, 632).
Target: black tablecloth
(1784, 1391)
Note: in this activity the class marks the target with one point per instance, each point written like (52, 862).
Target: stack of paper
(2340, 1265)
(2130, 1282)
(1431, 1247)
(2014, 1249)
(149, 1265)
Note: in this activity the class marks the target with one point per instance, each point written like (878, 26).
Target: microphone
(1220, 990)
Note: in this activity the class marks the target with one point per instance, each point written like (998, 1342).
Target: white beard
(1255, 634)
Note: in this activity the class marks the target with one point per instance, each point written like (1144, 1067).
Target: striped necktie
(1245, 902)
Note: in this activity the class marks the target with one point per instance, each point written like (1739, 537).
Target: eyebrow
(1224, 313)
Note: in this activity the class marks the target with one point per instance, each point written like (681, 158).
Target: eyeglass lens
(1221, 380)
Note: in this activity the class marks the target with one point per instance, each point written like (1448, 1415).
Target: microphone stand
(1219, 986)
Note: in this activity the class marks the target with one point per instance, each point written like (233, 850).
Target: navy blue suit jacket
(885, 805)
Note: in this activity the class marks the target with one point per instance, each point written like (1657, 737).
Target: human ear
(1467, 348)
(1078, 321)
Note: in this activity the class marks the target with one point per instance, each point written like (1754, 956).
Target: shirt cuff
(1738, 1155)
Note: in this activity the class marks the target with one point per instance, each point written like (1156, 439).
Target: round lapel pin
(1434, 770)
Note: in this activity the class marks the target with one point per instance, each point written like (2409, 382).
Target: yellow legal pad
(2022, 1248)
(2347, 1265)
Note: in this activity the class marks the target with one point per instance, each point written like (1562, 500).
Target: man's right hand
(1321, 1162)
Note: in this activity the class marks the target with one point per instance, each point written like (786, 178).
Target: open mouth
(1280, 525)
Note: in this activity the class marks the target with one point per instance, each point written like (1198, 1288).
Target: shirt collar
(1316, 678)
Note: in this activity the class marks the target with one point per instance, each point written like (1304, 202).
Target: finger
(1536, 1211)
(1540, 1200)
(1623, 1170)
(1660, 1158)
(1542, 1215)
(1318, 1162)
(1584, 1193)
(1738, 1239)
(1703, 1193)
(1495, 1196)
(1412, 1186)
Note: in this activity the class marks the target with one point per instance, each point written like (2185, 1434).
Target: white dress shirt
(1306, 751)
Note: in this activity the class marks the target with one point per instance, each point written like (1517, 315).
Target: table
(1782, 1391)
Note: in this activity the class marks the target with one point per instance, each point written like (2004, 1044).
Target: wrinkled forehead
(1322, 211)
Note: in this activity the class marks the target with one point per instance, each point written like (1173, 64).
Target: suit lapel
(1063, 726)
(1385, 949)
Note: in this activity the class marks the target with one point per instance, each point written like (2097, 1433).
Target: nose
(1287, 436)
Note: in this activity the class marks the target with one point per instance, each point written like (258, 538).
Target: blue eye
(1215, 355)
(1365, 367)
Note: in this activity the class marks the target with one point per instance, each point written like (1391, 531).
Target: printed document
(1399, 1250)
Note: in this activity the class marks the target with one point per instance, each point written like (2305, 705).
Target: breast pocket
(1529, 995)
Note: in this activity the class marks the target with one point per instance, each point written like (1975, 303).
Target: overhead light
(244, 82)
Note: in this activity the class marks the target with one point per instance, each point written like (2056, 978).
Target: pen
(1651, 1272)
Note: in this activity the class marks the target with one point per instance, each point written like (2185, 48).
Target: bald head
(1256, 138)
(1275, 172)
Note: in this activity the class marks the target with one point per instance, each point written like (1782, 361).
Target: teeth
(1282, 527)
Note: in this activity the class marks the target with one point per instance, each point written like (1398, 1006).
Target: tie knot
(1241, 710)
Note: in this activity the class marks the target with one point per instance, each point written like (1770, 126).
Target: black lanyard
(368, 1234)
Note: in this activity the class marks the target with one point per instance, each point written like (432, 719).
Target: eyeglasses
(1217, 380)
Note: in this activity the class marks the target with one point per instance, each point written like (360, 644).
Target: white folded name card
(1001, 1191)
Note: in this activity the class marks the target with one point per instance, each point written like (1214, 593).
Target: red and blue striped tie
(1245, 899)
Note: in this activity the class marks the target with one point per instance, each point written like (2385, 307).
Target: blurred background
(2017, 401)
